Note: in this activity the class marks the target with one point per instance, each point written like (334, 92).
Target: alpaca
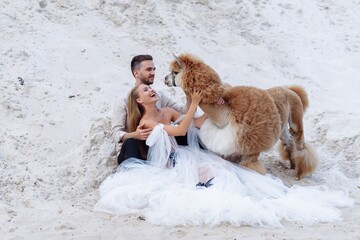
(250, 121)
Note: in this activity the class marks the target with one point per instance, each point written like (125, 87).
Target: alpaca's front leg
(218, 114)
(252, 162)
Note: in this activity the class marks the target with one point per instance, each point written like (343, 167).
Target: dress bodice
(161, 145)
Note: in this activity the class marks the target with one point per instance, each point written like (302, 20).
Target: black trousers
(131, 148)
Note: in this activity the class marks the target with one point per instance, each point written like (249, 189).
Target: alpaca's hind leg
(305, 158)
(252, 162)
(286, 147)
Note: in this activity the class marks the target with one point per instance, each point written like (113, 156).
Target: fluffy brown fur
(259, 117)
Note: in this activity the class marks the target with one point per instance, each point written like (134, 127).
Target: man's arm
(118, 127)
(166, 101)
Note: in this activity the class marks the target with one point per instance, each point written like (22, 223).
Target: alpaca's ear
(178, 60)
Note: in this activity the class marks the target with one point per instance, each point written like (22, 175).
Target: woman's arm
(182, 128)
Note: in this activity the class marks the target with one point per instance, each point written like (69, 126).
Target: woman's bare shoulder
(170, 111)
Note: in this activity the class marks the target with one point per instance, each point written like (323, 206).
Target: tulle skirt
(204, 189)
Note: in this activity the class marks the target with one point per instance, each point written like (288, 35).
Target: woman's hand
(196, 97)
(182, 128)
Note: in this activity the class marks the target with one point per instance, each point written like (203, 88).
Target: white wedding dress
(181, 185)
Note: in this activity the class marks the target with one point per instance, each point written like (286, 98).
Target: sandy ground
(55, 144)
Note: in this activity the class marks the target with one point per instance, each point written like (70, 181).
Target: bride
(186, 185)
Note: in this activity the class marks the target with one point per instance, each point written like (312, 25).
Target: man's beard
(147, 81)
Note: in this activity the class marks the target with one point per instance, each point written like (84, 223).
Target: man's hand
(142, 133)
(221, 101)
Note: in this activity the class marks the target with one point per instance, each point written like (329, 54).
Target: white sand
(74, 57)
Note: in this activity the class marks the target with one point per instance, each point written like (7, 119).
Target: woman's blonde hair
(135, 113)
(135, 110)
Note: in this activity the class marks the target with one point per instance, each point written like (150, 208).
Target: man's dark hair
(136, 61)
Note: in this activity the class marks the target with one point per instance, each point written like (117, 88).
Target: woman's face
(146, 94)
